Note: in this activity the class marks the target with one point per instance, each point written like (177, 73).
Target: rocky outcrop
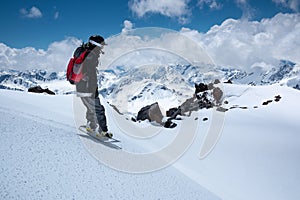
(38, 89)
(205, 96)
(153, 114)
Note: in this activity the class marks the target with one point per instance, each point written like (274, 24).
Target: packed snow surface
(256, 156)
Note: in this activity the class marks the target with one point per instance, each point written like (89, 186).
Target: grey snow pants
(95, 112)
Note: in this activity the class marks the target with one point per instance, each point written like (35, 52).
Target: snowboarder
(87, 88)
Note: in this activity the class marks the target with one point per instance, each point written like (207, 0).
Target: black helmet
(97, 40)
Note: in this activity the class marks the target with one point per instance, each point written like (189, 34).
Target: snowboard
(110, 142)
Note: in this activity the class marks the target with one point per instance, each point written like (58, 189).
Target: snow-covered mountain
(172, 85)
(19, 80)
(286, 73)
(129, 89)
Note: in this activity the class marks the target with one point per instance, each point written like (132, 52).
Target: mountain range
(170, 85)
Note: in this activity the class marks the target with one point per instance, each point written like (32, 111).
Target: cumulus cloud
(33, 12)
(242, 43)
(128, 25)
(170, 8)
(235, 43)
(151, 46)
(292, 4)
(54, 58)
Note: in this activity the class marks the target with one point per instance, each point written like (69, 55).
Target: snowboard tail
(102, 139)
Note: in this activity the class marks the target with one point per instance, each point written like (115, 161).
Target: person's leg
(89, 103)
(100, 114)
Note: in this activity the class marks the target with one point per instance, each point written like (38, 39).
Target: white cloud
(128, 25)
(171, 8)
(148, 46)
(234, 43)
(292, 4)
(33, 12)
(241, 43)
(54, 58)
(212, 4)
(248, 11)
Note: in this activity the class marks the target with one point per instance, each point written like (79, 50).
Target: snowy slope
(42, 157)
(256, 157)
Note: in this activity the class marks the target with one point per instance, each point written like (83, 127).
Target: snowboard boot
(91, 127)
(104, 134)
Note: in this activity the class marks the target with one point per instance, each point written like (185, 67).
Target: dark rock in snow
(38, 89)
(217, 81)
(210, 86)
(266, 102)
(217, 94)
(173, 111)
(200, 88)
(243, 107)
(133, 119)
(151, 112)
(221, 109)
(170, 124)
(205, 119)
(228, 82)
(277, 98)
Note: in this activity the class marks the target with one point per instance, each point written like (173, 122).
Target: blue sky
(37, 23)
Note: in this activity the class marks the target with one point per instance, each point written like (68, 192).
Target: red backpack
(74, 67)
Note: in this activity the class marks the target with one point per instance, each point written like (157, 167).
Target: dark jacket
(89, 84)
